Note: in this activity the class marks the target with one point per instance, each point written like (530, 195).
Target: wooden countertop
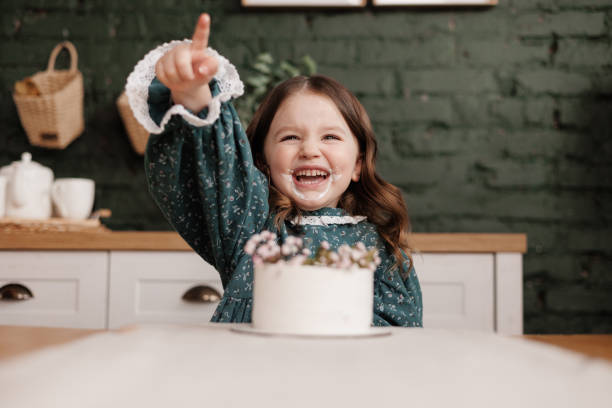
(593, 345)
(16, 340)
(171, 241)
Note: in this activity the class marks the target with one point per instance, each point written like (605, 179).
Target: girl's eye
(331, 137)
(288, 137)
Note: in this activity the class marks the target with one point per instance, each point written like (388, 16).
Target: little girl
(304, 167)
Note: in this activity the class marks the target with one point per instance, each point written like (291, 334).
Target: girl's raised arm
(198, 163)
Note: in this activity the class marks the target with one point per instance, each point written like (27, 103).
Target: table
(165, 365)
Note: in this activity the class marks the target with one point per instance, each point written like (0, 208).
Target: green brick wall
(489, 119)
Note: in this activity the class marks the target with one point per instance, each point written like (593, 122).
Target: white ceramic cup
(73, 197)
(3, 187)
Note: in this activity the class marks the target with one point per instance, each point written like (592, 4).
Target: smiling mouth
(310, 177)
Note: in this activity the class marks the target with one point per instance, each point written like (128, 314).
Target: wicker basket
(136, 132)
(54, 118)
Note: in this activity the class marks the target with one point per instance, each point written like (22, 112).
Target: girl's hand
(188, 68)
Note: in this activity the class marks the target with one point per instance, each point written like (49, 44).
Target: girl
(304, 167)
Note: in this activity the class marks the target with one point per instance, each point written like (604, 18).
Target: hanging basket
(50, 103)
(136, 132)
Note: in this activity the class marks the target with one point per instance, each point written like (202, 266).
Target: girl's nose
(309, 150)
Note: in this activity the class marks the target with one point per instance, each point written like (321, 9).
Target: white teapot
(28, 193)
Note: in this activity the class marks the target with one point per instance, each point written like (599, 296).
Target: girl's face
(311, 152)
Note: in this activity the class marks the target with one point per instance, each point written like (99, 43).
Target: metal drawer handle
(14, 292)
(202, 294)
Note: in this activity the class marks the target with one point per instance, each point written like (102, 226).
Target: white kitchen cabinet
(472, 291)
(148, 287)
(457, 290)
(114, 288)
(68, 288)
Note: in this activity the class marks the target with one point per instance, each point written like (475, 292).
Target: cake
(314, 300)
(330, 293)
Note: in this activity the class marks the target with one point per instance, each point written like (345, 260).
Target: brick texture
(490, 120)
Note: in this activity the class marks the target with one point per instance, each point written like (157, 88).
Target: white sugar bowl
(28, 190)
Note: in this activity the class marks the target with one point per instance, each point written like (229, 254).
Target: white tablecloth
(211, 366)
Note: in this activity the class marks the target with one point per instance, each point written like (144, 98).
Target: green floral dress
(205, 183)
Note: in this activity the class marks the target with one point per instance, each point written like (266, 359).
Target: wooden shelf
(469, 242)
(171, 241)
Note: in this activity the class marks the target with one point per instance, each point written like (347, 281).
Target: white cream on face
(311, 195)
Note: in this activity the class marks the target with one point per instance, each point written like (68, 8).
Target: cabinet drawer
(69, 288)
(148, 287)
(458, 290)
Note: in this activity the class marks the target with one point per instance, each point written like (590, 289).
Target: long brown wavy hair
(371, 196)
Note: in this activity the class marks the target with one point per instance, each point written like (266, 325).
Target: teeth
(311, 173)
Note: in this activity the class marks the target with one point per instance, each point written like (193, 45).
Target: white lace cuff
(137, 90)
(328, 219)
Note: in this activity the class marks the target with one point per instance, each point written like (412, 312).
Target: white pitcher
(28, 192)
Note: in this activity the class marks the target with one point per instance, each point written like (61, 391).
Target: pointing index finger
(199, 42)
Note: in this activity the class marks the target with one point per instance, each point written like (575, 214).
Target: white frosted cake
(312, 300)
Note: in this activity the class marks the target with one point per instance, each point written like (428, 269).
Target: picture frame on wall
(303, 3)
(434, 2)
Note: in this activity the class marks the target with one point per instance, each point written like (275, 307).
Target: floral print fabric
(205, 183)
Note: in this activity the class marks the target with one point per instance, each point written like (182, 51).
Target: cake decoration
(263, 248)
